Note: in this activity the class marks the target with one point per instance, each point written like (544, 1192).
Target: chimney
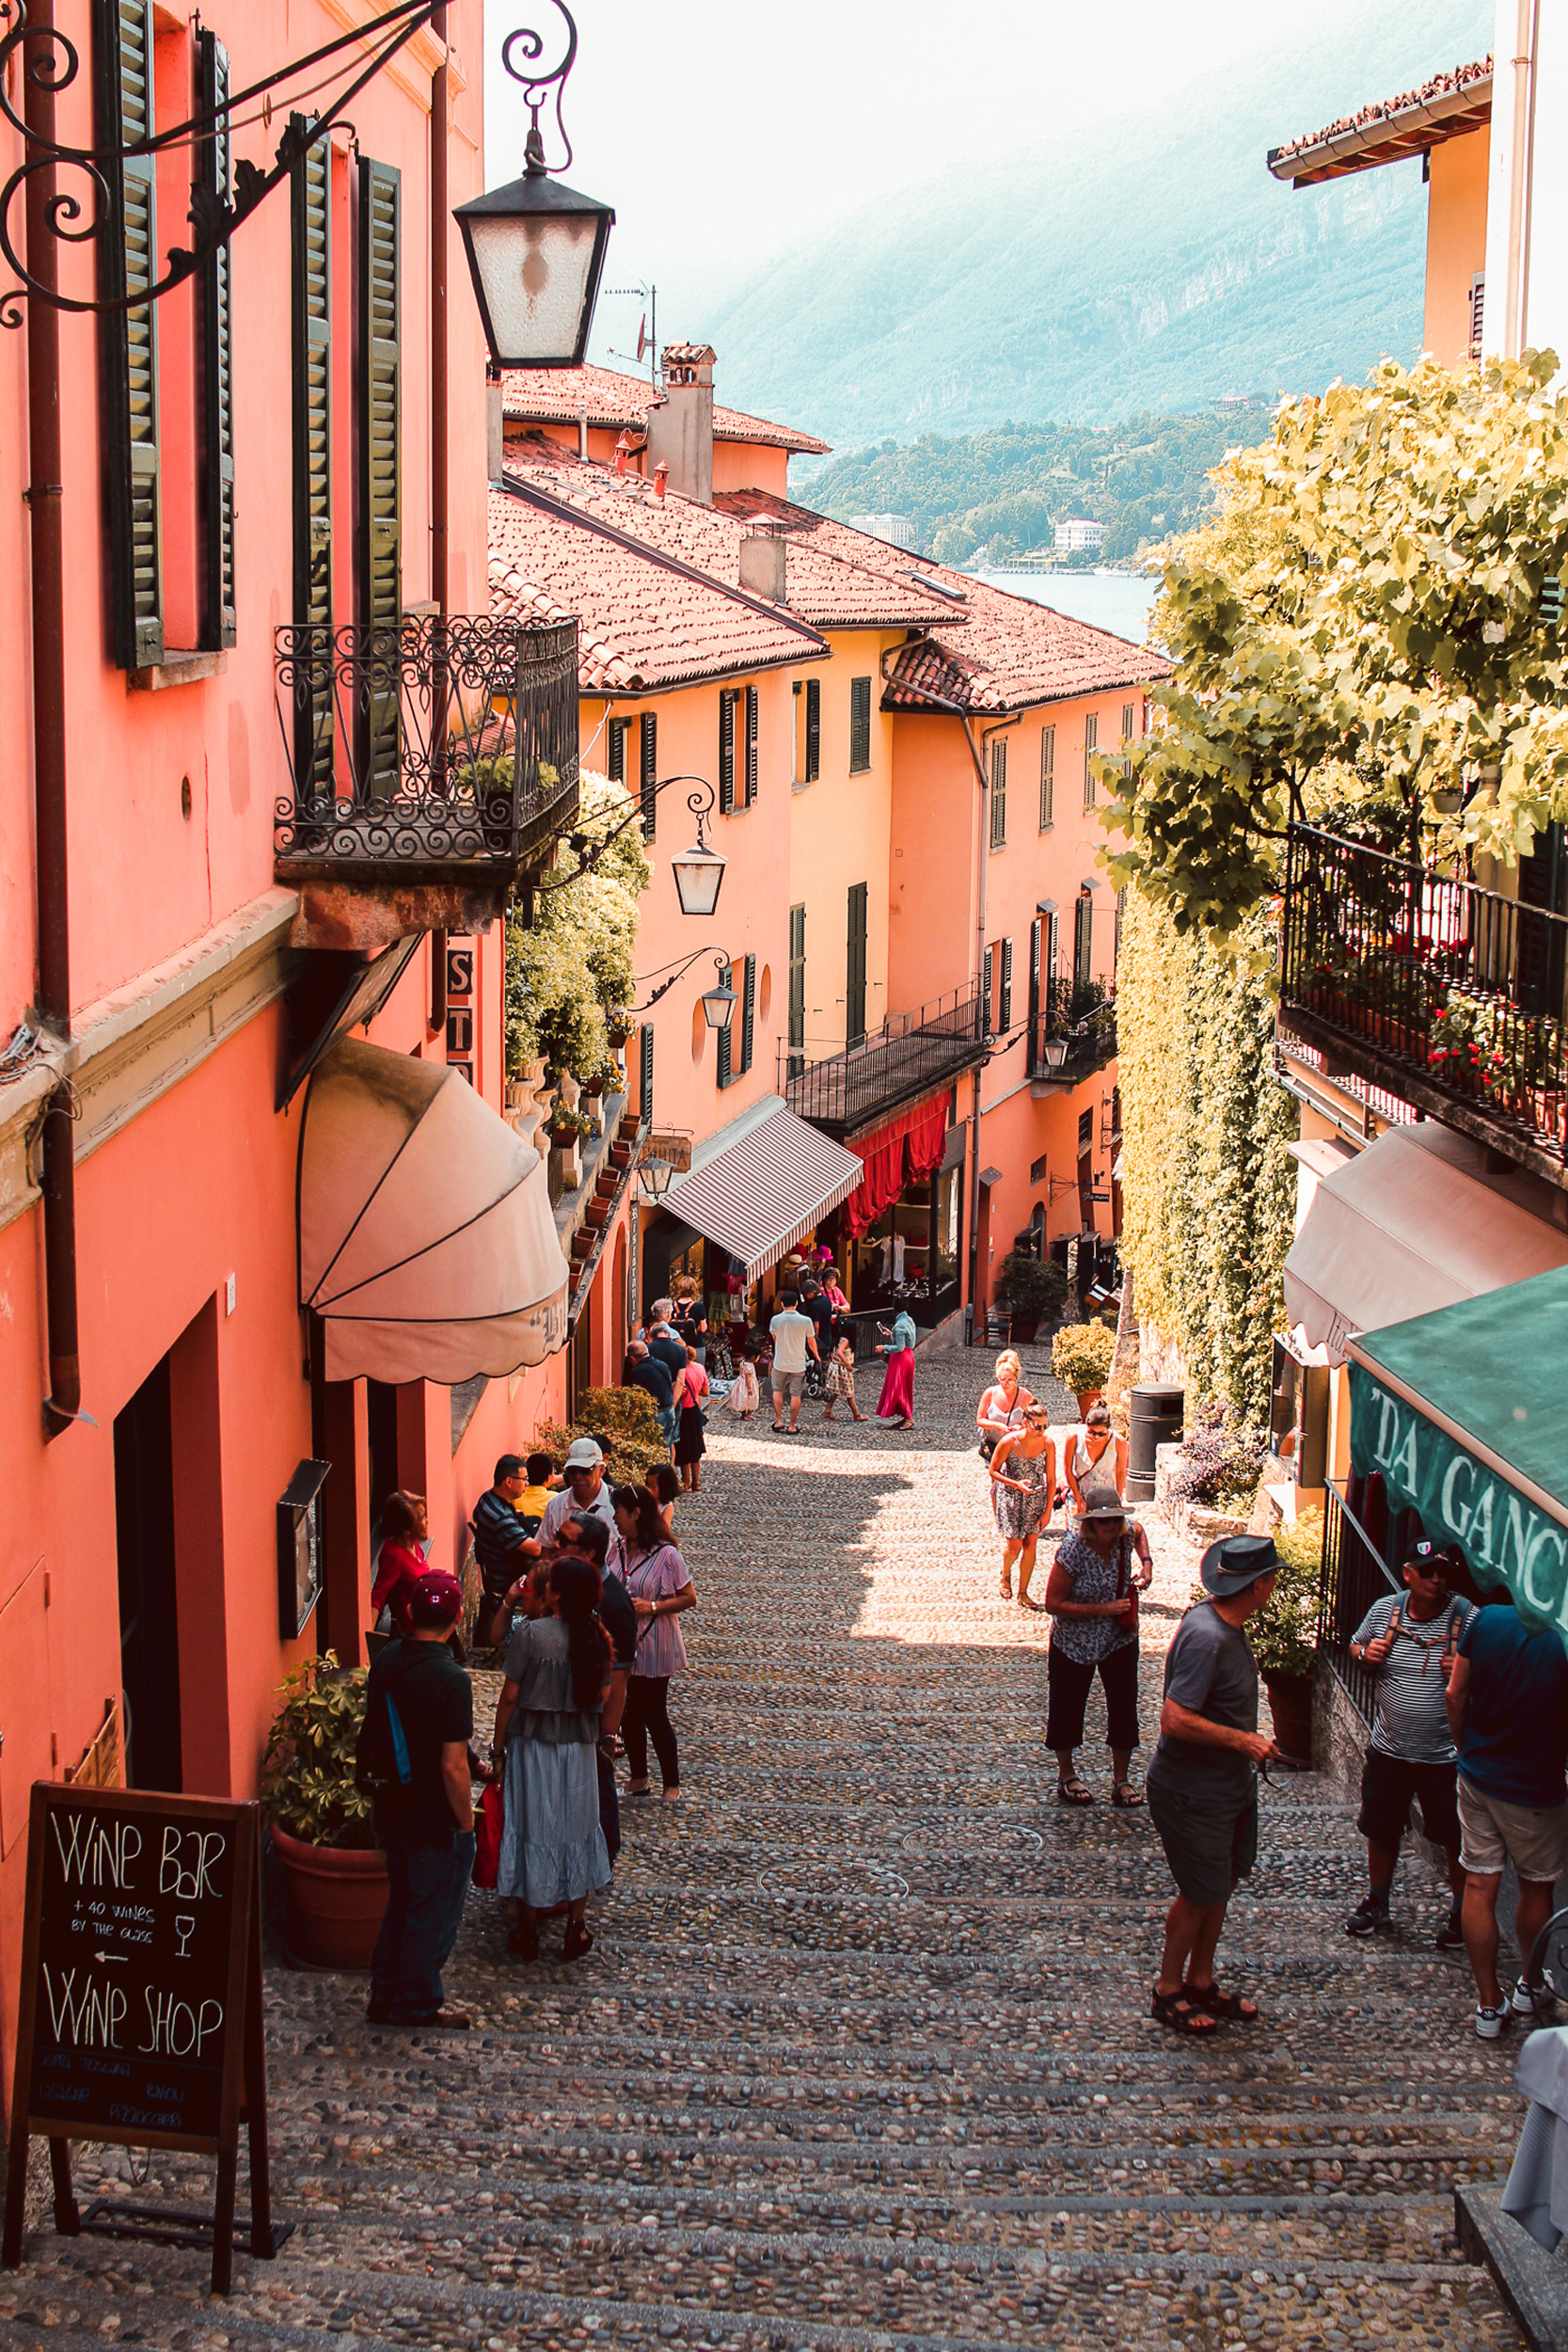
(495, 430)
(762, 565)
(680, 425)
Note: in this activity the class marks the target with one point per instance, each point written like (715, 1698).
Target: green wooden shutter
(999, 797)
(646, 1105)
(214, 160)
(753, 706)
(726, 1036)
(649, 772)
(1006, 1021)
(986, 992)
(310, 189)
(796, 989)
(1083, 961)
(1048, 777)
(128, 340)
(813, 729)
(726, 750)
(860, 726)
(379, 405)
(615, 756)
(748, 1011)
(854, 993)
(1035, 935)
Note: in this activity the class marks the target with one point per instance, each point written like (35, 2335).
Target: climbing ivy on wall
(1208, 1186)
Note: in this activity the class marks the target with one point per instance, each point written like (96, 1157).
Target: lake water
(1119, 601)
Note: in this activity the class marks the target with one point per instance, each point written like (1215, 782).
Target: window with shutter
(1005, 1022)
(726, 1036)
(985, 998)
(854, 994)
(1091, 739)
(797, 698)
(1082, 932)
(748, 1011)
(1127, 716)
(645, 1105)
(128, 340)
(752, 713)
(1047, 778)
(1036, 936)
(999, 796)
(649, 772)
(860, 726)
(379, 406)
(615, 750)
(1478, 313)
(726, 751)
(213, 163)
(311, 302)
(796, 990)
(813, 729)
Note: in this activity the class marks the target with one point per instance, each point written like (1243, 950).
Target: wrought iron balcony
(439, 750)
(911, 1055)
(1074, 1033)
(1448, 995)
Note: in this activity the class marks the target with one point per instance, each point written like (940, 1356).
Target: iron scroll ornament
(212, 217)
(536, 86)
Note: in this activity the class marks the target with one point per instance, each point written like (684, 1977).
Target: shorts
(788, 1383)
(1387, 1784)
(1532, 1837)
(1209, 1837)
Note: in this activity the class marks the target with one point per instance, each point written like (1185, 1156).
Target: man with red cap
(426, 1825)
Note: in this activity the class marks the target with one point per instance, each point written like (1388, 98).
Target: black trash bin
(1157, 1410)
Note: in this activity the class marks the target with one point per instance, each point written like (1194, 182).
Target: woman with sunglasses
(1095, 1453)
(1098, 1571)
(1023, 1493)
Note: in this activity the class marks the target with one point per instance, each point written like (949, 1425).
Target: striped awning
(760, 1194)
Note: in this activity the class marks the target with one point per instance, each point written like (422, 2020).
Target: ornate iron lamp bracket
(537, 85)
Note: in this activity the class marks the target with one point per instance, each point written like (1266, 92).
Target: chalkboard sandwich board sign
(141, 1996)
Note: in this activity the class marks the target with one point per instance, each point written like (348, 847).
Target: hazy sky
(721, 130)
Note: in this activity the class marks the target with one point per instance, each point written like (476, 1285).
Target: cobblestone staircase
(862, 2056)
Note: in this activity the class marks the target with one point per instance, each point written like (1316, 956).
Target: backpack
(382, 1764)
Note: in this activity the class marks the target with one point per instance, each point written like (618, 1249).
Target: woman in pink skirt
(896, 1402)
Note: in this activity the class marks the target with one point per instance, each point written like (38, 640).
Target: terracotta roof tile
(828, 585)
(557, 395)
(989, 651)
(1446, 106)
(643, 623)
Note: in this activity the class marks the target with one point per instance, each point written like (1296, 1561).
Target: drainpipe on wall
(440, 499)
(45, 491)
(1507, 242)
(979, 753)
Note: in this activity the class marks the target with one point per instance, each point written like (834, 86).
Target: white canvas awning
(426, 1243)
(1407, 1226)
(762, 1184)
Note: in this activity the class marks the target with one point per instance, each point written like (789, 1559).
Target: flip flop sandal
(1038, 1606)
(1182, 2013)
(1073, 1793)
(778, 1428)
(1126, 1797)
(1227, 2005)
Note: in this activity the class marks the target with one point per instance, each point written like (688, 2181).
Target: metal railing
(436, 744)
(911, 1055)
(1433, 976)
(1355, 1574)
(1081, 1017)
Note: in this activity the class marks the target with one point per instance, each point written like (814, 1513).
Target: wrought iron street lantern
(718, 1002)
(537, 248)
(1055, 1052)
(700, 872)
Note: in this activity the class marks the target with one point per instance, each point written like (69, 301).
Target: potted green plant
(334, 1873)
(1284, 1633)
(1032, 1289)
(1081, 1355)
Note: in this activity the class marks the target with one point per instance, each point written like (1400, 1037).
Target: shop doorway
(149, 1622)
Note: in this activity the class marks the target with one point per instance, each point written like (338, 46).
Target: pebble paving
(862, 2056)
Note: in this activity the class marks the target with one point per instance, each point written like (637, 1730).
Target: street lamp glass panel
(536, 254)
(1055, 1053)
(719, 1003)
(698, 876)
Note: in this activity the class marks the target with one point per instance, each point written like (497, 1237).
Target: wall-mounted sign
(141, 2004)
(300, 1548)
(460, 1030)
(460, 971)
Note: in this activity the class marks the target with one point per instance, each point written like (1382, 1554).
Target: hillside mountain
(1151, 263)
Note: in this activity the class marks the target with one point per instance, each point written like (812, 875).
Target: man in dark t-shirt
(815, 1303)
(499, 1537)
(426, 1828)
(1202, 1784)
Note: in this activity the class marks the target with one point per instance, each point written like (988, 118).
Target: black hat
(1236, 1561)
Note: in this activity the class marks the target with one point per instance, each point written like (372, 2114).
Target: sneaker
(1491, 2022)
(1370, 1917)
(1537, 2001)
(1449, 1936)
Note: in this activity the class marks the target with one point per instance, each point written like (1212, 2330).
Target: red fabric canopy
(921, 1136)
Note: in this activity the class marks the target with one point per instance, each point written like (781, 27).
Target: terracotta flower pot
(1291, 1705)
(597, 1213)
(1088, 1397)
(621, 1155)
(334, 1898)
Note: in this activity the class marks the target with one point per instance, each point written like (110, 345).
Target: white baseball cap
(582, 1453)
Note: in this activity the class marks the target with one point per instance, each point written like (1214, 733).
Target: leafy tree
(1362, 624)
(572, 964)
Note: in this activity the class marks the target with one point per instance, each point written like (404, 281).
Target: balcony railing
(1452, 995)
(439, 747)
(1080, 1018)
(911, 1055)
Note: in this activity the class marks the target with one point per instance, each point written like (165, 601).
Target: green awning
(1465, 1412)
